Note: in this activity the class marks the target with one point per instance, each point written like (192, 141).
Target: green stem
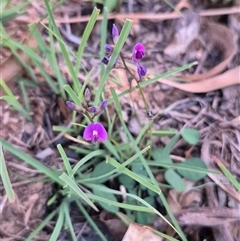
(139, 86)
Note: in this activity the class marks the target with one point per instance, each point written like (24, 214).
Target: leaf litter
(215, 112)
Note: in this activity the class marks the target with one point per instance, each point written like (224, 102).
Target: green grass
(131, 164)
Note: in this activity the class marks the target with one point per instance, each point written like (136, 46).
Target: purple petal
(95, 132)
(115, 33)
(102, 133)
(88, 132)
(138, 52)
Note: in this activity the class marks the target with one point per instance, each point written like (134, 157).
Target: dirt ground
(209, 101)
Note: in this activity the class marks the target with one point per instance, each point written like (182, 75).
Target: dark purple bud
(71, 105)
(115, 33)
(141, 71)
(87, 95)
(103, 105)
(108, 48)
(105, 60)
(92, 109)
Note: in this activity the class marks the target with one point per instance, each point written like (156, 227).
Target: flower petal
(138, 52)
(102, 133)
(88, 132)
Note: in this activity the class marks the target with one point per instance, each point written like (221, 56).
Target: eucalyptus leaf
(191, 136)
(191, 175)
(175, 180)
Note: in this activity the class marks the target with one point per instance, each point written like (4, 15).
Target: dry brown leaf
(228, 78)
(222, 39)
(140, 233)
(11, 68)
(207, 216)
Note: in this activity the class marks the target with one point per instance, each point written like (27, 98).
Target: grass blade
(77, 190)
(5, 177)
(86, 34)
(32, 161)
(76, 84)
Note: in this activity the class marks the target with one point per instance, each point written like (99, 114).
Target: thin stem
(139, 87)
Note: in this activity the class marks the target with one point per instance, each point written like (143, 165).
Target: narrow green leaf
(65, 159)
(41, 225)
(72, 94)
(228, 174)
(68, 221)
(58, 226)
(68, 62)
(5, 177)
(85, 37)
(32, 161)
(86, 158)
(90, 221)
(77, 190)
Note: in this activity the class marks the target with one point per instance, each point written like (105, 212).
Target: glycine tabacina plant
(95, 131)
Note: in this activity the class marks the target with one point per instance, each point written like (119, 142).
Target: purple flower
(142, 71)
(108, 48)
(71, 105)
(115, 33)
(95, 132)
(138, 52)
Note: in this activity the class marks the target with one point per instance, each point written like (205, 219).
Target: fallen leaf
(140, 233)
(228, 78)
(222, 39)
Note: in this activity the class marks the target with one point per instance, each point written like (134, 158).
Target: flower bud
(142, 71)
(71, 105)
(105, 60)
(103, 105)
(115, 33)
(108, 48)
(92, 109)
(87, 95)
